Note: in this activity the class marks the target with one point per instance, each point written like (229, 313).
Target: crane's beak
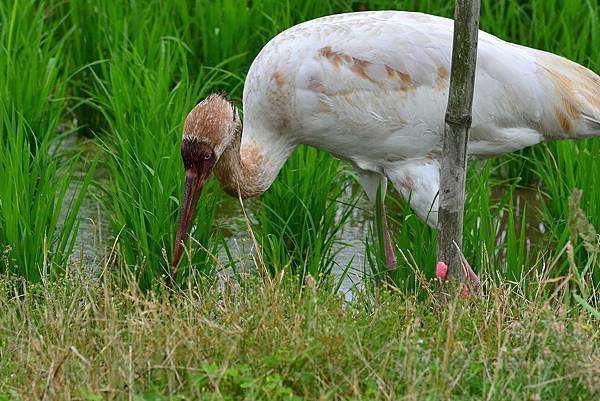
(191, 193)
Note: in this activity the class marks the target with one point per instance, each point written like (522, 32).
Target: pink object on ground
(441, 270)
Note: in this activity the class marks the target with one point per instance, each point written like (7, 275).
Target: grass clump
(37, 182)
(265, 341)
(302, 214)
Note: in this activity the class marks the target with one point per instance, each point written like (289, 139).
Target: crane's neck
(248, 168)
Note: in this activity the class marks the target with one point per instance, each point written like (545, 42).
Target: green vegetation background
(126, 73)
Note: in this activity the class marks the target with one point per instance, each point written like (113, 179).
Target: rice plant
(145, 98)
(302, 214)
(133, 69)
(35, 179)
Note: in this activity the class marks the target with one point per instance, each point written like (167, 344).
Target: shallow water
(349, 246)
(527, 202)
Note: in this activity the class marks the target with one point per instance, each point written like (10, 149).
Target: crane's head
(209, 129)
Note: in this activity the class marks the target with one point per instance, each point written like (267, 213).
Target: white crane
(371, 88)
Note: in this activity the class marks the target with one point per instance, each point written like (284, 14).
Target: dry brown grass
(85, 340)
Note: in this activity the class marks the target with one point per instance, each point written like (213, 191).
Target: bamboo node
(462, 121)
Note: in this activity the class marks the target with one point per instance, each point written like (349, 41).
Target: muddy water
(94, 237)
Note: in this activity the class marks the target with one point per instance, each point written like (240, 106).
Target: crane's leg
(419, 183)
(370, 182)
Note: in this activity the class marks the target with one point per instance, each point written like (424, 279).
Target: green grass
(302, 214)
(92, 340)
(37, 182)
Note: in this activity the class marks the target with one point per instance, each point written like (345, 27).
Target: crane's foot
(473, 285)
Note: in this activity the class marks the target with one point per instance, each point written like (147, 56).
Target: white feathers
(372, 88)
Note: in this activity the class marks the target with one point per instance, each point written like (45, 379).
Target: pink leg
(471, 276)
(390, 255)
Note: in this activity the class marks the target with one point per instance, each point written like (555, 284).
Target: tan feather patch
(564, 121)
(363, 68)
(442, 78)
(568, 109)
(407, 184)
(577, 88)
(278, 78)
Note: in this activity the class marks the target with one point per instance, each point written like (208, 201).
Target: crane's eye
(195, 154)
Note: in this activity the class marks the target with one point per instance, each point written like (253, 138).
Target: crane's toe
(472, 287)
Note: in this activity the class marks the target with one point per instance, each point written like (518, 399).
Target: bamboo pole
(456, 135)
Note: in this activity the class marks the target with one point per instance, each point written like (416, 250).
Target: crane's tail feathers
(592, 125)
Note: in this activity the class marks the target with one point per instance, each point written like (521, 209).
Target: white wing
(376, 75)
(372, 88)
